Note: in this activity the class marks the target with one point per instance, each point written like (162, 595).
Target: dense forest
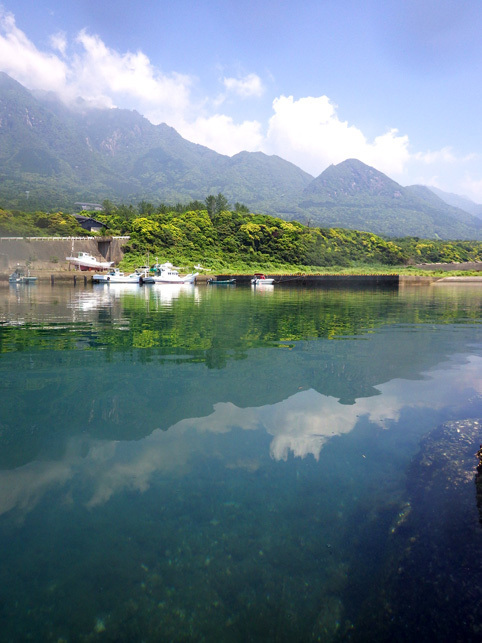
(219, 236)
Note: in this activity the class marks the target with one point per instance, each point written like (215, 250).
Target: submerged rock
(431, 588)
(478, 483)
(329, 624)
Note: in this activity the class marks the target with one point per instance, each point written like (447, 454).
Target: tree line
(217, 234)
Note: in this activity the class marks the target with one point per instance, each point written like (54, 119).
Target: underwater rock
(329, 623)
(478, 483)
(431, 588)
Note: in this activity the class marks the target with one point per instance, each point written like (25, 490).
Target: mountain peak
(60, 156)
(350, 178)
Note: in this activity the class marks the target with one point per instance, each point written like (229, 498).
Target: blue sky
(396, 84)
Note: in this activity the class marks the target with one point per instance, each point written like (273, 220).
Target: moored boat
(86, 261)
(260, 279)
(165, 273)
(19, 277)
(116, 276)
(221, 282)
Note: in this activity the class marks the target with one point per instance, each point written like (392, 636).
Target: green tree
(145, 209)
(211, 206)
(240, 207)
(221, 203)
(108, 207)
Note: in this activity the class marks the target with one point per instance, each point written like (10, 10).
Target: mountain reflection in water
(219, 464)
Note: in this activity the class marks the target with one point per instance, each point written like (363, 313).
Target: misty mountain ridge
(458, 201)
(52, 157)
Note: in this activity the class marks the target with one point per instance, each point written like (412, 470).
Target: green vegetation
(60, 157)
(237, 240)
(220, 238)
(39, 224)
(354, 195)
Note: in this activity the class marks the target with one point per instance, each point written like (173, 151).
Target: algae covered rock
(431, 589)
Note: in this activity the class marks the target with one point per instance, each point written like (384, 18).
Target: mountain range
(52, 156)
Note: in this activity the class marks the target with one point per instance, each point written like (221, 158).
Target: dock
(78, 278)
(321, 280)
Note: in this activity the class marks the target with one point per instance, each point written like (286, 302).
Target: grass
(131, 261)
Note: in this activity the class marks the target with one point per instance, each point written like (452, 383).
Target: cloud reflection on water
(300, 424)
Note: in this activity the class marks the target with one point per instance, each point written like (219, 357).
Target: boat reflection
(105, 295)
(166, 294)
(262, 289)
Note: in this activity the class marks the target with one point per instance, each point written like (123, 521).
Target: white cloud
(444, 155)
(309, 133)
(104, 72)
(446, 170)
(250, 85)
(23, 61)
(94, 72)
(221, 133)
(59, 42)
(472, 188)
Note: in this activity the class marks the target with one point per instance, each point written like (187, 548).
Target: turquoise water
(233, 464)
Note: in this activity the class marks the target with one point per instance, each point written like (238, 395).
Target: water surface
(237, 464)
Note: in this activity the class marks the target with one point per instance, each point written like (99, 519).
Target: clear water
(228, 464)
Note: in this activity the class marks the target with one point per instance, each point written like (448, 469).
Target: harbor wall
(49, 253)
(448, 267)
(323, 280)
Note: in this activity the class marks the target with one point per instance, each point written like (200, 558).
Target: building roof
(89, 206)
(81, 219)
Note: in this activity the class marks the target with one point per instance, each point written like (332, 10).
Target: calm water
(227, 464)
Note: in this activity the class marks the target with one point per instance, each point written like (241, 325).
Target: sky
(396, 84)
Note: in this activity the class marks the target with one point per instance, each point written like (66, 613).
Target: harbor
(204, 457)
(78, 277)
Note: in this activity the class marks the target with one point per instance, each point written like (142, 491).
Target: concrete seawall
(449, 267)
(324, 280)
(49, 253)
(77, 277)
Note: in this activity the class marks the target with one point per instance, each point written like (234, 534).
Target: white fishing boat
(165, 273)
(116, 276)
(260, 279)
(86, 261)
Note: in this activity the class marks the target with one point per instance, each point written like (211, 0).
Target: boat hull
(90, 263)
(152, 279)
(221, 282)
(108, 279)
(23, 280)
(262, 282)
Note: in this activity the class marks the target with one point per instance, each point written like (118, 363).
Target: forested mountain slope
(52, 157)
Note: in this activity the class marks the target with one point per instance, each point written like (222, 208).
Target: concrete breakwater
(77, 277)
(84, 277)
(321, 280)
(449, 267)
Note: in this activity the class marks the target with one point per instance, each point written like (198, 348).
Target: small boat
(221, 282)
(86, 261)
(165, 273)
(19, 277)
(116, 276)
(260, 279)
